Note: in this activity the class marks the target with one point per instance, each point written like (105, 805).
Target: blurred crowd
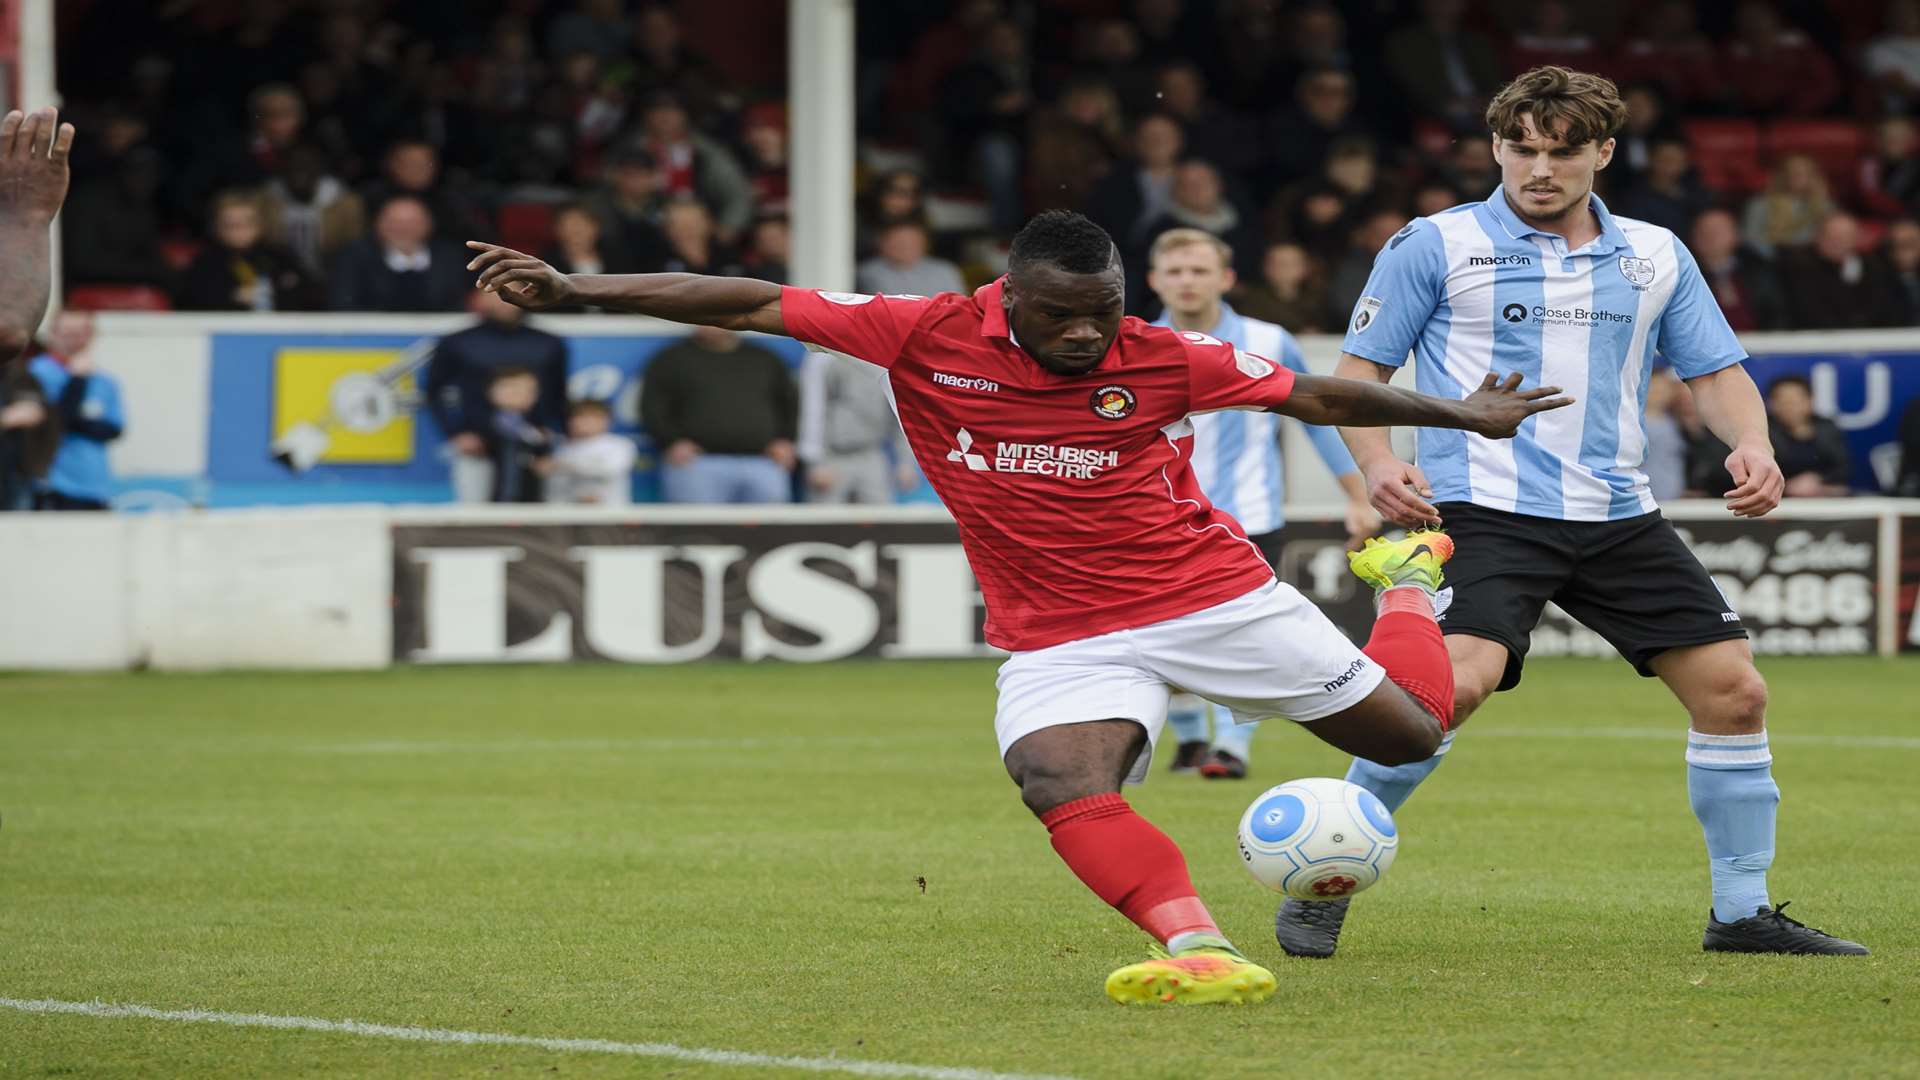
(285, 155)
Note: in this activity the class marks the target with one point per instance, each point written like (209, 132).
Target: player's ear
(1228, 279)
(1606, 154)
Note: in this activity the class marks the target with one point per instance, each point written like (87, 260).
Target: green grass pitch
(829, 862)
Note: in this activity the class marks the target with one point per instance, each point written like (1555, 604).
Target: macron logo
(1500, 260)
(962, 382)
(1346, 676)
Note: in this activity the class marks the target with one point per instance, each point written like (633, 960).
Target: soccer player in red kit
(1056, 432)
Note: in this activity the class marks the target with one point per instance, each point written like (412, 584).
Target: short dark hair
(1062, 239)
(510, 371)
(1790, 380)
(590, 405)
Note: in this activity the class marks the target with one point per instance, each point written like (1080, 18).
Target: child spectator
(594, 465)
(87, 402)
(1811, 449)
(515, 444)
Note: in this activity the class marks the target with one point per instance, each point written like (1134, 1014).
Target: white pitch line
(485, 1038)
(1678, 735)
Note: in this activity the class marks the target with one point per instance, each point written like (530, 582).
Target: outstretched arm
(33, 184)
(1495, 410)
(733, 303)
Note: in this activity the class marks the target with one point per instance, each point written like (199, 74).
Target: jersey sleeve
(1402, 291)
(865, 327)
(1694, 336)
(1220, 376)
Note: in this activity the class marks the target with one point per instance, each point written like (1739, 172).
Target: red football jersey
(1076, 504)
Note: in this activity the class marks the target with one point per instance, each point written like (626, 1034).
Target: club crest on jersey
(1364, 312)
(1638, 272)
(1253, 367)
(846, 299)
(1112, 402)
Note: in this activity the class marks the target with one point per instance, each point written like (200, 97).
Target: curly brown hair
(1573, 106)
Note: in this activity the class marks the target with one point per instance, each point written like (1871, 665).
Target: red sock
(1129, 864)
(1407, 642)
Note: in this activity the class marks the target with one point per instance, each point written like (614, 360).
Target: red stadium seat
(1836, 145)
(1872, 231)
(179, 253)
(527, 226)
(117, 298)
(1727, 153)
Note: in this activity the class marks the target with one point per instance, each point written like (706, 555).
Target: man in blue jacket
(87, 401)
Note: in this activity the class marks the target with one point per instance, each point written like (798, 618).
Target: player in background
(1056, 432)
(1236, 457)
(1541, 279)
(33, 184)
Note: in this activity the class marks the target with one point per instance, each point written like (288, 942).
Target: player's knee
(1469, 693)
(1737, 704)
(1415, 738)
(1044, 786)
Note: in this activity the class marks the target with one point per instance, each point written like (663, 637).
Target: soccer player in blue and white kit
(1236, 456)
(1541, 280)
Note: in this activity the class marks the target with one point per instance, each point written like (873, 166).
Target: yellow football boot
(1414, 559)
(1200, 977)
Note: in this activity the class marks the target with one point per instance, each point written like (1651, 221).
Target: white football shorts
(1267, 653)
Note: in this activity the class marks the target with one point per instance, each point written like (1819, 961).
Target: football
(1317, 838)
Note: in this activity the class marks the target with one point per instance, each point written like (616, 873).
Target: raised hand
(521, 280)
(33, 165)
(1497, 409)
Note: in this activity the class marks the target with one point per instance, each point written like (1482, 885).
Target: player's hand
(33, 165)
(1400, 492)
(80, 365)
(783, 454)
(22, 414)
(521, 280)
(682, 453)
(1363, 521)
(1757, 479)
(469, 444)
(1498, 407)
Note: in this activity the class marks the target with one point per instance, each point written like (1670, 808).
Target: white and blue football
(1318, 838)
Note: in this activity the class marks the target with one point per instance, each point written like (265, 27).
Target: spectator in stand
(1648, 124)
(1130, 199)
(1109, 50)
(463, 367)
(1666, 457)
(401, 267)
(1831, 286)
(1792, 207)
(1200, 202)
(1812, 450)
(1892, 59)
(1743, 281)
(765, 136)
(579, 247)
(517, 445)
(984, 104)
(1551, 38)
(1902, 256)
(1445, 70)
(896, 196)
(1669, 195)
(1435, 196)
(667, 63)
(692, 247)
(629, 208)
(849, 439)
(694, 166)
(1212, 133)
(1290, 292)
(1320, 213)
(278, 119)
(904, 266)
(1073, 144)
(1298, 137)
(1350, 275)
(724, 412)
(239, 271)
(1671, 53)
(596, 27)
(1771, 69)
(1471, 169)
(593, 466)
(1890, 176)
(311, 213)
(412, 167)
(1907, 486)
(772, 240)
(111, 226)
(29, 436)
(87, 402)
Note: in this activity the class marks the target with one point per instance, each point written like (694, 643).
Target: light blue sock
(1730, 783)
(1392, 784)
(1188, 725)
(1235, 739)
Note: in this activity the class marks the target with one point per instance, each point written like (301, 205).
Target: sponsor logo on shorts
(966, 382)
(1442, 600)
(1113, 402)
(1359, 664)
(1729, 616)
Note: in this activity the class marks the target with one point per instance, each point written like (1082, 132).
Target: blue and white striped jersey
(1236, 454)
(1474, 289)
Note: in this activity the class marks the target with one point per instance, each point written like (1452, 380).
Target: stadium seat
(1872, 231)
(1836, 145)
(526, 226)
(1727, 153)
(118, 298)
(179, 254)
